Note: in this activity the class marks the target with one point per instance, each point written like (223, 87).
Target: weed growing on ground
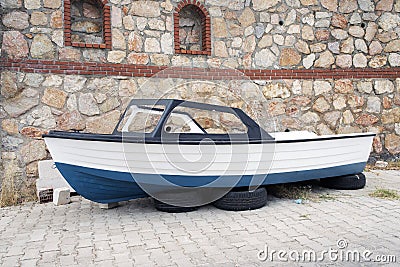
(327, 197)
(392, 165)
(305, 192)
(368, 168)
(385, 194)
(305, 217)
(291, 191)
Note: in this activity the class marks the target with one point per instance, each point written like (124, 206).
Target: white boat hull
(107, 171)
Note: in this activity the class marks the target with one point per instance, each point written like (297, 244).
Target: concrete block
(107, 206)
(61, 196)
(50, 177)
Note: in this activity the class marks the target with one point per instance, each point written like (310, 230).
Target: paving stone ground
(136, 234)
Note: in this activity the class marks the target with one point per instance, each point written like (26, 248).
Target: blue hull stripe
(111, 186)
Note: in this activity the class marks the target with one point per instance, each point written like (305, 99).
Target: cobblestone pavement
(136, 234)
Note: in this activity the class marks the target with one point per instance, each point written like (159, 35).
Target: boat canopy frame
(254, 131)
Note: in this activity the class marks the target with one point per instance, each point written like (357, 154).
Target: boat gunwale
(151, 140)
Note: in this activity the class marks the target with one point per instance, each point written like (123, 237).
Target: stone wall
(326, 66)
(245, 34)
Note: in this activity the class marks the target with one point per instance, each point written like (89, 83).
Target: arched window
(87, 23)
(192, 29)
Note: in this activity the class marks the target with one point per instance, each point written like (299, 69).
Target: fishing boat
(158, 144)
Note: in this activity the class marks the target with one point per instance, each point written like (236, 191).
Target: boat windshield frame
(254, 131)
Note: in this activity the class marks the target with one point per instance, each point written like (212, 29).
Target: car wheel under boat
(191, 145)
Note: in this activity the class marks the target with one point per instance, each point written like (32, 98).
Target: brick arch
(106, 26)
(205, 28)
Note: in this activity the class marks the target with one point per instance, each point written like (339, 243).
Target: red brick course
(94, 68)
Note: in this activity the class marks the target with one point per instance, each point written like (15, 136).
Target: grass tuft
(28, 192)
(301, 190)
(291, 191)
(385, 194)
(327, 197)
(305, 217)
(9, 196)
(368, 168)
(392, 165)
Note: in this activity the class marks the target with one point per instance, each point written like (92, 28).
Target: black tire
(180, 201)
(161, 206)
(243, 200)
(348, 182)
